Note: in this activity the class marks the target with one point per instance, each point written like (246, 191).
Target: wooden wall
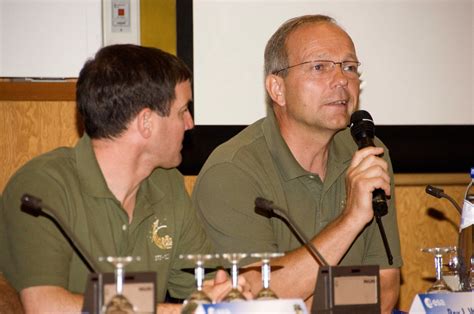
(29, 128)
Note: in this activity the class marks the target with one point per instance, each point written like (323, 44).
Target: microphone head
(31, 204)
(362, 126)
(434, 191)
(264, 207)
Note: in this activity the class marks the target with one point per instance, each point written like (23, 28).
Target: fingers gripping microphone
(363, 131)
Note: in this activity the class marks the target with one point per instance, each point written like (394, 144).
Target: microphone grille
(361, 115)
(362, 125)
(263, 203)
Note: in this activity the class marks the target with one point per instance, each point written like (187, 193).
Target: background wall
(417, 57)
(411, 53)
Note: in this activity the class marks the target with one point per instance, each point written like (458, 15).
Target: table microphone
(267, 208)
(34, 206)
(328, 295)
(462, 268)
(439, 193)
(363, 131)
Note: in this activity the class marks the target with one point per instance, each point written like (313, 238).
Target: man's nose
(188, 122)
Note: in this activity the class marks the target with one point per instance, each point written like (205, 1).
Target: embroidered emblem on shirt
(162, 257)
(164, 242)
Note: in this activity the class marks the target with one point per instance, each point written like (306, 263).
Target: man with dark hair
(302, 157)
(117, 189)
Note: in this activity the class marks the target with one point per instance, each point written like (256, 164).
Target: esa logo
(431, 303)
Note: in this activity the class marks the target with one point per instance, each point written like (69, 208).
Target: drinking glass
(440, 286)
(266, 293)
(450, 272)
(119, 303)
(198, 296)
(234, 259)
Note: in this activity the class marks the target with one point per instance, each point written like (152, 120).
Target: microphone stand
(366, 278)
(34, 206)
(270, 212)
(378, 219)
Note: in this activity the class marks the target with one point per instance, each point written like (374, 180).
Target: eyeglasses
(322, 68)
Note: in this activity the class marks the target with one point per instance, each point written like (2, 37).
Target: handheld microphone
(363, 131)
(266, 208)
(34, 206)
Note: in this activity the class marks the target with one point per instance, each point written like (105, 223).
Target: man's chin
(172, 163)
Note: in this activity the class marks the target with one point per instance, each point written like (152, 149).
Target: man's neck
(122, 168)
(309, 146)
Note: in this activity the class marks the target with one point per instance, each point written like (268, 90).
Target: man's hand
(221, 285)
(366, 173)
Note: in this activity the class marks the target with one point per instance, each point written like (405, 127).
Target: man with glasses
(302, 157)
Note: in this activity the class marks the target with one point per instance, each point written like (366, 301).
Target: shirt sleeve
(27, 236)
(224, 196)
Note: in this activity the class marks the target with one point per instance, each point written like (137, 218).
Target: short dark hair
(120, 81)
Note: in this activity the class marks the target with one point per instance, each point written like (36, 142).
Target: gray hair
(276, 54)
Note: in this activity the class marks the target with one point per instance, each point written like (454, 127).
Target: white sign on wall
(53, 38)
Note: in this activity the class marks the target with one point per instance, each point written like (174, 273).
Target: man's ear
(275, 89)
(144, 122)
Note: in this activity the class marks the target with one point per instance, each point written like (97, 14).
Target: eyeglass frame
(311, 61)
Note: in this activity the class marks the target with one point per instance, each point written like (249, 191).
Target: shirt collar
(90, 175)
(340, 152)
(93, 182)
(286, 162)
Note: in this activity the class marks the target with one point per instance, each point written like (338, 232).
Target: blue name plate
(446, 303)
(285, 306)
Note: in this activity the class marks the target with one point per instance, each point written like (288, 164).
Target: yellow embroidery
(163, 242)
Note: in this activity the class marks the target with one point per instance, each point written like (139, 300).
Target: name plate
(446, 303)
(285, 306)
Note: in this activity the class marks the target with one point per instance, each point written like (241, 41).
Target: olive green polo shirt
(69, 180)
(258, 163)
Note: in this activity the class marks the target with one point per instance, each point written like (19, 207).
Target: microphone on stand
(266, 208)
(363, 131)
(439, 193)
(329, 296)
(34, 206)
(96, 281)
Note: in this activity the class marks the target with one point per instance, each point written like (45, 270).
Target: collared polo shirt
(258, 163)
(69, 180)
